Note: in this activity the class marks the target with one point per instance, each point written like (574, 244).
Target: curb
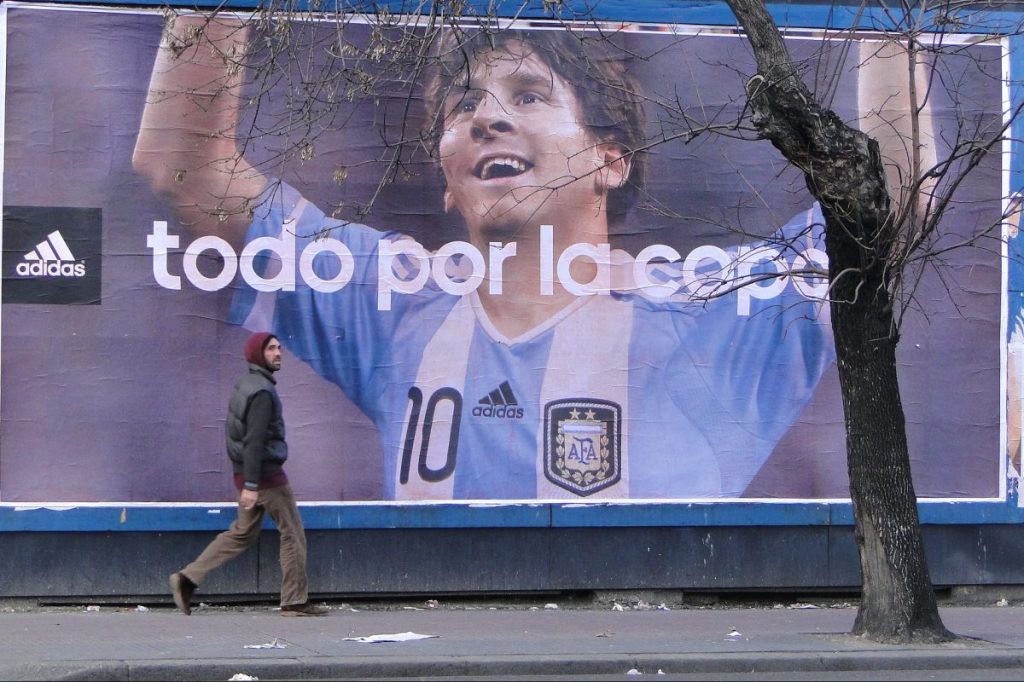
(510, 666)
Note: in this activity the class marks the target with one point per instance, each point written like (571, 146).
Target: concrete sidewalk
(219, 642)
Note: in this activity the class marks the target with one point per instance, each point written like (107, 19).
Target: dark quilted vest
(258, 379)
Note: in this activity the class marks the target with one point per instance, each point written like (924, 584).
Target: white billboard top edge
(676, 29)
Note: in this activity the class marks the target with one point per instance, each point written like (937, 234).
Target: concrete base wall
(498, 560)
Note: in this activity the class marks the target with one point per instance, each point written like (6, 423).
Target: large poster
(541, 303)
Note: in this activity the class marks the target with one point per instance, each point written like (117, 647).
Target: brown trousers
(245, 530)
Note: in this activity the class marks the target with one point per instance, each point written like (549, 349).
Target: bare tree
(882, 215)
(872, 237)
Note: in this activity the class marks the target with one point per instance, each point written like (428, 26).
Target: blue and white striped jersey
(618, 396)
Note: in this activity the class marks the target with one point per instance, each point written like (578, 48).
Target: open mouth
(501, 167)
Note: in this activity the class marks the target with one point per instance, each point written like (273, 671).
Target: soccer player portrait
(532, 360)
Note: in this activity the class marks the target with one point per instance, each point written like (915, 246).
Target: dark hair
(608, 97)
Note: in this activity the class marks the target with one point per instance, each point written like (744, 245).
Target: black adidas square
(52, 255)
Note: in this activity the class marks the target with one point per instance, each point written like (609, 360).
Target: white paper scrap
(397, 637)
(275, 644)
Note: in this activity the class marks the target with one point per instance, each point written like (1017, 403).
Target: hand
(1014, 365)
(187, 148)
(896, 110)
(248, 499)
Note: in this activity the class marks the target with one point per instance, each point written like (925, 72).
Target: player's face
(514, 153)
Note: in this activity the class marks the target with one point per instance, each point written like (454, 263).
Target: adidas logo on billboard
(52, 255)
(51, 258)
(500, 403)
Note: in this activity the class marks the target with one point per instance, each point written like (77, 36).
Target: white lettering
(643, 259)
(198, 279)
(50, 268)
(602, 257)
(547, 277)
(498, 254)
(441, 259)
(388, 280)
(405, 266)
(284, 249)
(811, 287)
(160, 241)
(706, 283)
(347, 265)
(774, 283)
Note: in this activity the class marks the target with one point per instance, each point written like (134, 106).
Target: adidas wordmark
(500, 403)
(51, 258)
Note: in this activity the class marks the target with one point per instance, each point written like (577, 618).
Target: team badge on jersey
(582, 444)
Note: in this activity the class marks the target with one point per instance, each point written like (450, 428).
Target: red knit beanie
(254, 348)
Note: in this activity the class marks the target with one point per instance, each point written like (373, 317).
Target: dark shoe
(182, 589)
(306, 609)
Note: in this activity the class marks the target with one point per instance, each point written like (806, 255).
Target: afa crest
(582, 444)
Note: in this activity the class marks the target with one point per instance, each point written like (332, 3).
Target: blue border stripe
(836, 16)
(524, 515)
(697, 514)
(428, 516)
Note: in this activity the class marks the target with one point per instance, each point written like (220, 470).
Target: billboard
(525, 312)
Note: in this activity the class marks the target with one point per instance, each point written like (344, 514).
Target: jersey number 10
(424, 430)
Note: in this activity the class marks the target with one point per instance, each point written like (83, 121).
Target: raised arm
(895, 109)
(186, 146)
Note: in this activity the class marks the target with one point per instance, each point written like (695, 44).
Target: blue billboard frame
(158, 517)
(152, 517)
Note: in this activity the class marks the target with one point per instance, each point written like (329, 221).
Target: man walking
(257, 448)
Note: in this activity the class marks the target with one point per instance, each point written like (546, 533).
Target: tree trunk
(844, 171)
(897, 599)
